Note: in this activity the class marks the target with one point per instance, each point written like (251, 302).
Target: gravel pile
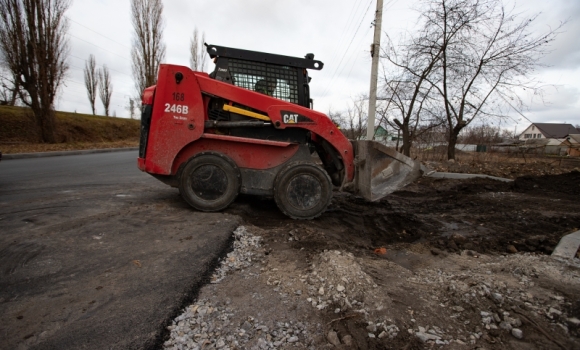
(246, 247)
(205, 325)
(337, 281)
(501, 305)
(338, 285)
(484, 301)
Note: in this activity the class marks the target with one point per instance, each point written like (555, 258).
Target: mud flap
(380, 170)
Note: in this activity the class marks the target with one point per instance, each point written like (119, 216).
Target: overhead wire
(100, 65)
(387, 6)
(354, 61)
(90, 43)
(94, 31)
(327, 90)
(345, 30)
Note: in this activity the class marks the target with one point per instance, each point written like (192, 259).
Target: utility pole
(375, 53)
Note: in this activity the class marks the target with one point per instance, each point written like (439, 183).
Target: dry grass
(19, 133)
(508, 165)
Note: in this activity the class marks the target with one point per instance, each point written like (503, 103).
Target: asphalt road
(95, 254)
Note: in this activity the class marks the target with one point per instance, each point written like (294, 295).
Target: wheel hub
(304, 191)
(209, 182)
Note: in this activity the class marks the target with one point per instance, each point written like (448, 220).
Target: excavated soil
(487, 216)
(452, 264)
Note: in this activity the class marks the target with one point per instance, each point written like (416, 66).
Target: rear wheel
(210, 182)
(302, 190)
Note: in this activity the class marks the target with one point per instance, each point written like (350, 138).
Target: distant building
(572, 142)
(381, 134)
(548, 131)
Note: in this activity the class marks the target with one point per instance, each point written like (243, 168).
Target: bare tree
(481, 134)
(131, 107)
(34, 47)
(407, 88)
(91, 81)
(485, 62)
(105, 88)
(9, 87)
(197, 52)
(148, 49)
(337, 118)
(356, 118)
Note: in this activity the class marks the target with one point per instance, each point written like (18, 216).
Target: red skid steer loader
(248, 127)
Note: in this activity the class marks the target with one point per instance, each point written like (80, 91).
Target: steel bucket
(380, 170)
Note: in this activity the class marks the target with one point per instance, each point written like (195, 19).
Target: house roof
(556, 131)
(574, 137)
(380, 131)
(537, 142)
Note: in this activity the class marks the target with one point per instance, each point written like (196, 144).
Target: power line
(88, 42)
(100, 65)
(72, 20)
(354, 61)
(348, 47)
(72, 81)
(345, 29)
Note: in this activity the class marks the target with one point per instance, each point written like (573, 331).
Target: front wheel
(210, 182)
(302, 190)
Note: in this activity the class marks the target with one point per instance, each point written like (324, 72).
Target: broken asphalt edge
(64, 153)
(191, 296)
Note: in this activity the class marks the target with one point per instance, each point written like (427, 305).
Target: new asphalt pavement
(95, 254)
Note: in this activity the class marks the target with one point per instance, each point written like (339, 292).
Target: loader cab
(282, 77)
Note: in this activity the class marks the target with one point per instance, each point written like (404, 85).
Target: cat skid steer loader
(248, 127)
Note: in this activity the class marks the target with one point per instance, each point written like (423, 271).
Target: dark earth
(530, 214)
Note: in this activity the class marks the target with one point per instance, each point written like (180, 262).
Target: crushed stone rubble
(204, 325)
(487, 302)
(502, 305)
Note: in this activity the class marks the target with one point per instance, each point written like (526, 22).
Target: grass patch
(19, 133)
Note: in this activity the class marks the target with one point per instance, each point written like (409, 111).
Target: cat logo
(290, 118)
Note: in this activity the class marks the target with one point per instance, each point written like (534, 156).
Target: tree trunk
(451, 146)
(453, 134)
(406, 148)
(45, 120)
(12, 101)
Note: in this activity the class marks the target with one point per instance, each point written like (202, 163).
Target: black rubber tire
(302, 190)
(210, 181)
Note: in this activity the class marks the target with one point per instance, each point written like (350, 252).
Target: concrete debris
(516, 332)
(424, 337)
(482, 306)
(333, 338)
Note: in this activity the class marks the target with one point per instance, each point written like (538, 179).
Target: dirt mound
(447, 273)
(568, 183)
(478, 214)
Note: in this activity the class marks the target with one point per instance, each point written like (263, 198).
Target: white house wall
(533, 132)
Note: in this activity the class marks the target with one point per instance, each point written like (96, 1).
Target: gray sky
(338, 32)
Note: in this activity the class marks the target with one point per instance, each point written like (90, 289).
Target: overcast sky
(338, 32)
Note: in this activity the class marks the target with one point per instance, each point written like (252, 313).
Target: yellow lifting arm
(246, 113)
